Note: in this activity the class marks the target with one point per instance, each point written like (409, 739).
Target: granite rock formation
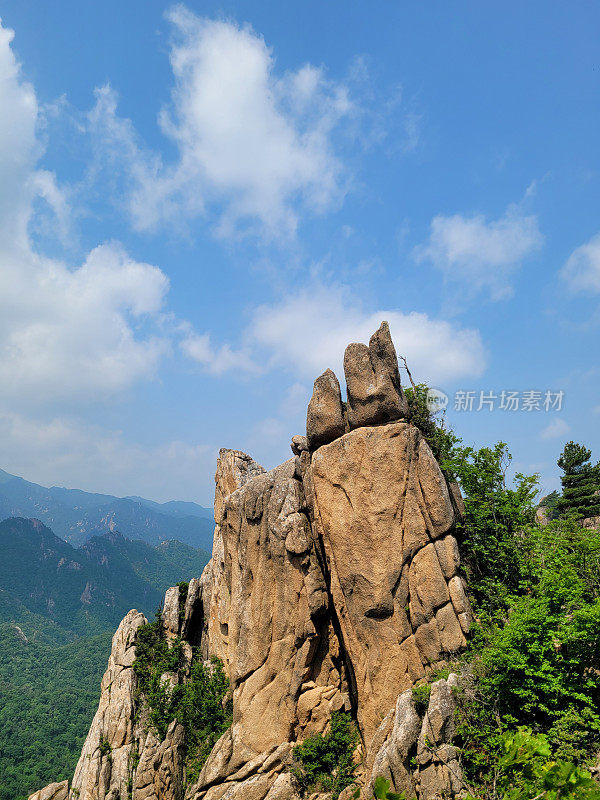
(334, 585)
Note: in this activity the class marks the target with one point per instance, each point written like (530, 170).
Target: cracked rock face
(269, 620)
(380, 506)
(333, 585)
(403, 738)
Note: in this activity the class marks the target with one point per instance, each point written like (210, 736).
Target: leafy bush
(440, 438)
(538, 663)
(525, 770)
(197, 702)
(381, 790)
(421, 694)
(326, 761)
(495, 515)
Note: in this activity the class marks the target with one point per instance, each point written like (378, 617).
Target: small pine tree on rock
(580, 482)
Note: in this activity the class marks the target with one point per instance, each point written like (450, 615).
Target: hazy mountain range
(75, 515)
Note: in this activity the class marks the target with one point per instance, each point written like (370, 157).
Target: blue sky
(201, 204)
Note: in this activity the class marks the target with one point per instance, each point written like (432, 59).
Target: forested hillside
(47, 698)
(59, 607)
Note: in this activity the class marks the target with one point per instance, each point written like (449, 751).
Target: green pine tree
(580, 482)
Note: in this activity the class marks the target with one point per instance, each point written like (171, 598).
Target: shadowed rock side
(333, 585)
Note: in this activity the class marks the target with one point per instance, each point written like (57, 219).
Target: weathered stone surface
(99, 771)
(54, 791)
(379, 502)
(324, 418)
(299, 445)
(392, 760)
(457, 500)
(373, 381)
(234, 469)
(171, 612)
(451, 635)
(447, 553)
(268, 622)
(440, 774)
(406, 737)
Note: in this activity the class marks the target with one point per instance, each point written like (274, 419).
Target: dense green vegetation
(198, 701)
(526, 770)
(326, 761)
(47, 699)
(535, 661)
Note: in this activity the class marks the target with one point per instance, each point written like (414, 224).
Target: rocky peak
(333, 585)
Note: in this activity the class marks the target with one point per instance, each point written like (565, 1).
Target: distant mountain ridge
(76, 516)
(54, 590)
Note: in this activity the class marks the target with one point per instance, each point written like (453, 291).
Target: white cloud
(216, 360)
(258, 144)
(89, 457)
(481, 254)
(308, 332)
(582, 270)
(63, 332)
(555, 429)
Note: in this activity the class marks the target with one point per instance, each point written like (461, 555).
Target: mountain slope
(84, 590)
(46, 696)
(75, 515)
(58, 608)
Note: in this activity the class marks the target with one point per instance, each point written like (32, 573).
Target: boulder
(54, 791)
(234, 469)
(375, 395)
(299, 445)
(325, 417)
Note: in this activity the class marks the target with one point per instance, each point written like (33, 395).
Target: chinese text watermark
(525, 401)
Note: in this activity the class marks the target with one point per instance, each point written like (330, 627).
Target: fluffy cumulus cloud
(253, 143)
(64, 330)
(481, 254)
(436, 351)
(582, 270)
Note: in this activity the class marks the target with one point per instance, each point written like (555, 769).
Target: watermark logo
(436, 400)
(505, 400)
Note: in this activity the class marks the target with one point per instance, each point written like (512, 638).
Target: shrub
(420, 695)
(440, 438)
(105, 748)
(525, 770)
(326, 761)
(381, 790)
(198, 702)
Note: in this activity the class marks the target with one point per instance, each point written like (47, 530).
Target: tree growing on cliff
(580, 482)
(494, 515)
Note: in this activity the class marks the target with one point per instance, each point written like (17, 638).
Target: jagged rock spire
(334, 585)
